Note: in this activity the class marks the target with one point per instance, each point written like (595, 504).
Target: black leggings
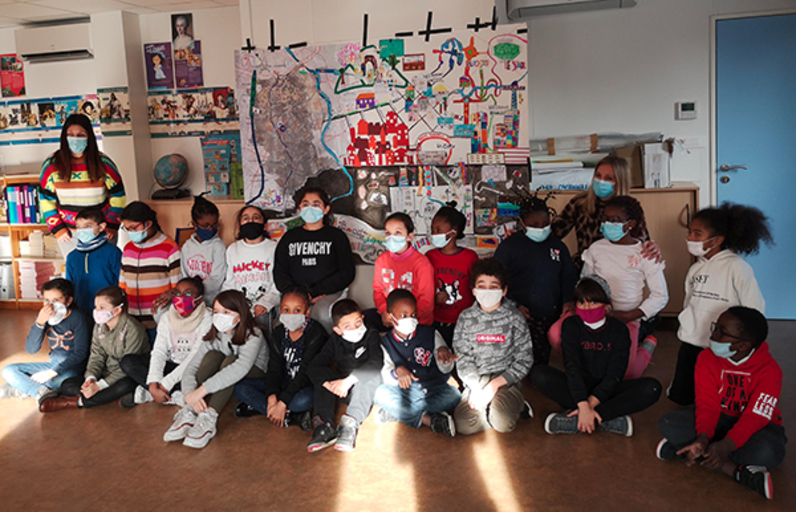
(71, 387)
(631, 396)
(681, 391)
(136, 366)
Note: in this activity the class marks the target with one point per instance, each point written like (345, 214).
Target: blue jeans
(410, 405)
(252, 392)
(18, 375)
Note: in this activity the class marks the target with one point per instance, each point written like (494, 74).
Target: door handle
(725, 167)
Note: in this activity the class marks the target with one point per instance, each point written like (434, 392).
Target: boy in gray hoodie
(494, 348)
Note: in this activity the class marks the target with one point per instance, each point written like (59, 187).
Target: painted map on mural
(401, 102)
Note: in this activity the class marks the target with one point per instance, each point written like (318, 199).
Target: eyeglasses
(134, 228)
(716, 329)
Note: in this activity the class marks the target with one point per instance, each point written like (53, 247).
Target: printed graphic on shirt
(451, 290)
(181, 345)
(252, 272)
(595, 345)
(199, 266)
(764, 406)
(490, 338)
(359, 352)
(633, 260)
(57, 340)
(735, 389)
(405, 282)
(422, 356)
(555, 254)
(292, 361)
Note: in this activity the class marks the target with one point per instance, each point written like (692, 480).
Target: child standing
(495, 353)
(116, 334)
(541, 273)
(233, 349)
(150, 263)
(285, 395)
(349, 367)
(451, 265)
(67, 332)
(179, 334)
(736, 427)
(402, 267)
(416, 367)
(204, 255)
(316, 255)
(96, 264)
(617, 258)
(720, 278)
(250, 264)
(596, 349)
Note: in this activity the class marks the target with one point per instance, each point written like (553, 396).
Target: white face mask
(292, 321)
(406, 326)
(440, 240)
(355, 335)
(698, 248)
(225, 323)
(488, 298)
(59, 313)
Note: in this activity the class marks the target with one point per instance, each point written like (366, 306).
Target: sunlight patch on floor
(497, 479)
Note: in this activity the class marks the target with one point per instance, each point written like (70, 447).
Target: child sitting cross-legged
(417, 364)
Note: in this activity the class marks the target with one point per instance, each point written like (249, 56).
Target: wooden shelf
(20, 179)
(39, 259)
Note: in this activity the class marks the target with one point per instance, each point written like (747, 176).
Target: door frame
(714, 156)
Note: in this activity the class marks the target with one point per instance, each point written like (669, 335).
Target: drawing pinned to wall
(422, 204)
(159, 67)
(12, 75)
(221, 154)
(114, 107)
(192, 112)
(188, 66)
(366, 241)
(414, 62)
(36, 121)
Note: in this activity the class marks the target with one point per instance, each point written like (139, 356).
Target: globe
(171, 171)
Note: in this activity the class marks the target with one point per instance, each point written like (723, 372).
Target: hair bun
(451, 204)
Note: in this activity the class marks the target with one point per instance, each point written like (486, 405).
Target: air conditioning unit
(523, 10)
(54, 43)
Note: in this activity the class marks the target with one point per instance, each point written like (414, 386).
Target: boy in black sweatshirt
(417, 364)
(348, 367)
(596, 349)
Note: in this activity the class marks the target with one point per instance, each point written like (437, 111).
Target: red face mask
(184, 305)
(591, 316)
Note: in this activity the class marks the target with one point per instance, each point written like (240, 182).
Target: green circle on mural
(506, 51)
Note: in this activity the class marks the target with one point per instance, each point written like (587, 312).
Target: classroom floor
(116, 459)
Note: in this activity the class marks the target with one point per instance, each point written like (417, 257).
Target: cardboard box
(650, 164)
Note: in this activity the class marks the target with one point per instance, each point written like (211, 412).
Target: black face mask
(252, 230)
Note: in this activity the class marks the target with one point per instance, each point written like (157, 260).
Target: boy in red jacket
(737, 426)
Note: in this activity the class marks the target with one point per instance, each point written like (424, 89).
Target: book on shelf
(22, 204)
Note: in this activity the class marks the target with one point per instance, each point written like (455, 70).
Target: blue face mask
(538, 234)
(311, 214)
(613, 231)
(85, 235)
(395, 243)
(602, 189)
(205, 234)
(77, 145)
(137, 236)
(440, 240)
(722, 349)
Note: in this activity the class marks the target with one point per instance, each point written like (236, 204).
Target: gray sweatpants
(501, 414)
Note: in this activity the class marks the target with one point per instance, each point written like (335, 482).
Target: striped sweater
(148, 270)
(61, 201)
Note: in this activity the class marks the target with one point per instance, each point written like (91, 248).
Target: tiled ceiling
(20, 12)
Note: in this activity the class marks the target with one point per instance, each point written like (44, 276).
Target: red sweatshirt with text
(748, 391)
(411, 271)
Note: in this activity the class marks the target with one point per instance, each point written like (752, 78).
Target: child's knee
(468, 420)
(9, 372)
(128, 363)
(228, 361)
(503, 421)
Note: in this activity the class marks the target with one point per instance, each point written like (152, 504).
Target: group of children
(271, 323)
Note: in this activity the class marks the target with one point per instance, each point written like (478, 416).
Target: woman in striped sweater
(76, 177)
(150, 263)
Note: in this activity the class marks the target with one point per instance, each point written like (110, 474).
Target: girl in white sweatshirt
(719, 279)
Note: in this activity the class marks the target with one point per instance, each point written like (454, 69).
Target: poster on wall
(188, 66)
(12, 76)
(182, 30)
(114, 105)
(37, 121)
(159, 69)
(192, 112)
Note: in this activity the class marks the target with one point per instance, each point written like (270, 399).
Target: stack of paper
(51, 249)
(33, 274)
(36, 240)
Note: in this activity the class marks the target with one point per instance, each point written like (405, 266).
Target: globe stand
(171, 193)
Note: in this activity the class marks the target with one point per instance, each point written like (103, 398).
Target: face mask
(292, 321)
(252, 230)
(102, 317)
(613, 231)
(538, 234)
(184, 305)
(406, 326)
(137, 236)
(698, 248)
(355, 335)
(602, 189)
(205, 234)
(59, 313)
(488, 298)
(85, 235)
(224, 322)
(395, 243)
(440, 240)
(77, 145)
(311, 214)
(591, 316)
(722, 349)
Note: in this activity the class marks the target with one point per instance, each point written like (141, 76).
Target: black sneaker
(346, 434)
(442, 423)
(756, 478)
(559, 423)
(623, 425)
(128, 401)
(244, 410)
(302, 419)
(527, 411)
(666, 451)
(324, 435)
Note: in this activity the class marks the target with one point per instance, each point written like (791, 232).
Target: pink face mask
(184, 305)
(590, 316)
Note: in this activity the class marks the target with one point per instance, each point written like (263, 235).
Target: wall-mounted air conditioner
(54, 43)
(523, 10)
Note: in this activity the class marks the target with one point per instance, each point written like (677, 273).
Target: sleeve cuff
(510, 379)
(103, 384)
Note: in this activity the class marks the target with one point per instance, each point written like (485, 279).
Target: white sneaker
(142, 395)
(183, 421)
(9, 391)
(177, 398)
(203, 430)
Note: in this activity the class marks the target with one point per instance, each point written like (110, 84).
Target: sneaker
(302, 419)
(203, 430)
(9, 391)
(323, 436)
(666, 451)
(177, 398)
(142, 395)
(649, 344)
(128, 401)
(559, 423)
(346, 434)
(183, 421)
(527, 411)
(622, 425)
(382, 417)
(442, 423)
(244, 410)
(756, 478)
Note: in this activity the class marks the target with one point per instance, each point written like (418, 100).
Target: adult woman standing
(76, 177)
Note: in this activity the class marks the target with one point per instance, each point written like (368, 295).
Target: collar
(404, 255)
(742, 361)
(595, 325)
(94, 244)
(152, 242)
(401, 339)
